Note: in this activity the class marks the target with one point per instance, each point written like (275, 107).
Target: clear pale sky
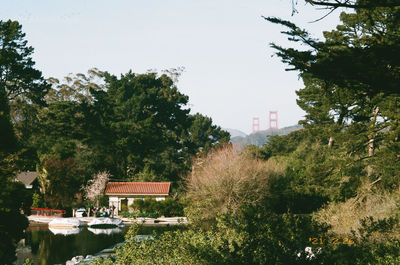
(230, 75)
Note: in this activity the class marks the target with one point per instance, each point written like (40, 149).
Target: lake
(44, 247)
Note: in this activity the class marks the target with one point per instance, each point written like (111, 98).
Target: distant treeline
(262, 137)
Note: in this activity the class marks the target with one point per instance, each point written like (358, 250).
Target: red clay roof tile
(138, 188)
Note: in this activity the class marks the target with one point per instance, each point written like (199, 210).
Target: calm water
(44, 247)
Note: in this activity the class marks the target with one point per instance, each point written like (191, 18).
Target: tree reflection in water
(44, 247)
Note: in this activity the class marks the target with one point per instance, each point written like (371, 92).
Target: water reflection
(107, 231)
(44, 247)
(65, 232)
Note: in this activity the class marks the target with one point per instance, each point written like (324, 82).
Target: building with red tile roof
(138, 188)
(122, 194)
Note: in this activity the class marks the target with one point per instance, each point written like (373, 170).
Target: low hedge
(135, 215)
(168, 207)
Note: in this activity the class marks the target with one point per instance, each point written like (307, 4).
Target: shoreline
(41, 221)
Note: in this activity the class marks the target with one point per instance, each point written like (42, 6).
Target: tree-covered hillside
(262, 137)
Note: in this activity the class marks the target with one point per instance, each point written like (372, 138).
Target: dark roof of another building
(138, 188)
(27, 177)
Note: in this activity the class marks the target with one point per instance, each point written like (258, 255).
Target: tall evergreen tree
(18, 81)
(351, 93)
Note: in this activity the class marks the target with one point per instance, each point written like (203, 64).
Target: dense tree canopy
(350, 144)
(136, 126)
(351, 80)
(143, 118)
(19, 81)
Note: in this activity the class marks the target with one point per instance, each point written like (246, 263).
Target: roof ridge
(150, 182)
(140, 188)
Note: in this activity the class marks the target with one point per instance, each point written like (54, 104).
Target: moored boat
(65, 223)
(65, 232)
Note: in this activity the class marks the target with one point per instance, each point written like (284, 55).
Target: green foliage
(37, 200)
(145, 175)
(168, 207)
(254, 239)
(18, 76)
(171, 207)
(351, 104)
(145, 116)
(8, 142)
(136, 215)
(64, 182)
(28, 262)
(283, 145)
(152, 134)
(13, 199)
(256, 234)
(124, 208)
(203, 135)
(350, 142)
(136, 126)
(104, 201)
(19, 81)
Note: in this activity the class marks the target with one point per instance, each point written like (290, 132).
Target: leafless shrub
(224, 180)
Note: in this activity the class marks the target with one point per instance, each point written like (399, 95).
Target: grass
(347, 216)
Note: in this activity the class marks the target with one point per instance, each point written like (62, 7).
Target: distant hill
(261, 137)
(235, 133)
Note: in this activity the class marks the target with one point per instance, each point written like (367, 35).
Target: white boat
(65, 223)
(65, 232)
(106, 222)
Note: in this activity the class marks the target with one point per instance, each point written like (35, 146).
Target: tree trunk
(372, 135)
(371, 147)
(330, 144)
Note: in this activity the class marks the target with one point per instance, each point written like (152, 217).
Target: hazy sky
(223, 45)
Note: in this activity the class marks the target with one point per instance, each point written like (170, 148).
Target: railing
(47, 212)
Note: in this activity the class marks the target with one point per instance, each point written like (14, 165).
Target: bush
(345, 217)
(249, 230)
(135, 215)
(224, 181)
(168, 207)
(37, 200)
(124, 208)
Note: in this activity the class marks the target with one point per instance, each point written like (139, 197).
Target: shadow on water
(43, 247)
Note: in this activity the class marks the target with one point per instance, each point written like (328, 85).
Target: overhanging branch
(350, 4)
